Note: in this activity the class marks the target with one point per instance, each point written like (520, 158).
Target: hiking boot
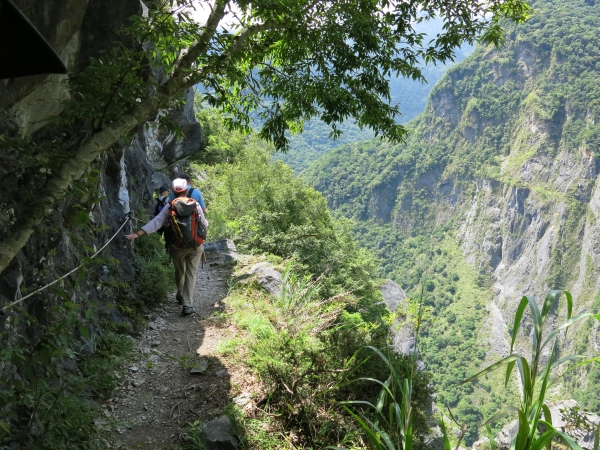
(179, 298)
(187, 310)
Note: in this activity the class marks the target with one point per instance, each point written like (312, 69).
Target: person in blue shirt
(192, 192)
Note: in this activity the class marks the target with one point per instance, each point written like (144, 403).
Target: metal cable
(129, 217)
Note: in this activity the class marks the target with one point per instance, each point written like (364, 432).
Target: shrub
(310, 354)
(156, 277)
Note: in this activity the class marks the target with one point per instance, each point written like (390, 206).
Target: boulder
(567, 416)
(269, 278)
(218, 434)
(222, 246)
(403, 334)
(393, 295)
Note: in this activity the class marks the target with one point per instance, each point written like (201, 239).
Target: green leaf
(491, 437)
(537, 322)
(503, 361)
(547, 422)
(501, 413)
(568, 440)
(5, 426)
(509, 368)
(373, 438)
(445, 434)
(567, 359)
(523, 432)
(517, 321)
(565, 325)
(84, 332)
(569, 304)
(551, 297)
(544, 440)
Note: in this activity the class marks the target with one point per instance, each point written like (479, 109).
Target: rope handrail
(37, 291)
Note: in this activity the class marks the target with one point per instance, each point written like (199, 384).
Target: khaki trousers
(186, 262)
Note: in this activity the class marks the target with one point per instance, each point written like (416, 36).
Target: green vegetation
(306, 349)
(315, 141)
(156, 277)
(50, 376)
(532, 372)
(286, 62)
(265, 209)
(305, 343)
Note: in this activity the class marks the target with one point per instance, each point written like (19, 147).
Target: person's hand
(132, 237)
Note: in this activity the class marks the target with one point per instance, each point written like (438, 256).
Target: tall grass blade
(537, 406)
(408, 438)
(544, 440)
(491, 437)
(568, 440)
(569, 304)
(523, 432)
(566, 325)
(509, 368)
(547, 421)
(445, 434)
(567, 359)
(537, 325)
(503, 412)
(373, 438)
(382, 398)
(517, 322)
(551, 297)
(597, 438)
(503, 361)
(526, 380)
(385, 360)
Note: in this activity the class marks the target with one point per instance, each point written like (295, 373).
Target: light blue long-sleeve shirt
(196, 195)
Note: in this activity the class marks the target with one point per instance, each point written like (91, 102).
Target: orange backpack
(184, 228)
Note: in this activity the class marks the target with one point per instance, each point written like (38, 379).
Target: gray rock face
(563, 419)
(403, 335)
(218, 434)
(226, 249)
(127, 173)
(393, 295)
(268, 277)
(225, 245)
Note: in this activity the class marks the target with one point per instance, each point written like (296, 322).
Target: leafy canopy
(293, 60)
(332, 60)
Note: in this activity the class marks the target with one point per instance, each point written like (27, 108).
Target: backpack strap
(190, 192)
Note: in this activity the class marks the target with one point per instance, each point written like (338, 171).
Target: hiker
(161, 200)
(186, 249)
(192, 191)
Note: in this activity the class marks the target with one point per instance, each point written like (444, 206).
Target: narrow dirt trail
(159, 395)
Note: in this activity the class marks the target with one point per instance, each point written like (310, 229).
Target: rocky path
(176, 379)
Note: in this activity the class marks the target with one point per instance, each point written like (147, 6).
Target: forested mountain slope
(314, 141)
(495, 195)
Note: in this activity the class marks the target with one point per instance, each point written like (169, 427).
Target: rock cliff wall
(125, 177)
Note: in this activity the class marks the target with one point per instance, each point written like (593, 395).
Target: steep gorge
(495, 195)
